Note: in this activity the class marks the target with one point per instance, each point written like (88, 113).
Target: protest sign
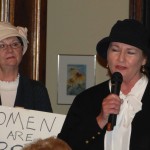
(20, 126)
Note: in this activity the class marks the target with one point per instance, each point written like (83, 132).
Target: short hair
(51, 143)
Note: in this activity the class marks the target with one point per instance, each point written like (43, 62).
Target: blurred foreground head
(52, 143)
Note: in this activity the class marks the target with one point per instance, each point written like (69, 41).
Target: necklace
(17, 78)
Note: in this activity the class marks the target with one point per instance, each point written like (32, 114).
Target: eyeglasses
(14, 45)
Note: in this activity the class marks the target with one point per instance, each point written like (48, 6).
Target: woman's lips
(11, 57)
(120, 67)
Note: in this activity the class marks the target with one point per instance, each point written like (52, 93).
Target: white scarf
(119, 137)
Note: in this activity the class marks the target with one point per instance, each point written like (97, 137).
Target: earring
(143, 69)
(107, 66)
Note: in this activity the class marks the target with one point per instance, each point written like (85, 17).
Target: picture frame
(75, 74)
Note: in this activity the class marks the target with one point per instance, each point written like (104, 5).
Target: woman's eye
(131, 52)
(114, 49)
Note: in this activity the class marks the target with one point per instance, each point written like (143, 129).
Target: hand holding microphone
(116, 81)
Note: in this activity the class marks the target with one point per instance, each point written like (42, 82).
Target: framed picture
(75, 74)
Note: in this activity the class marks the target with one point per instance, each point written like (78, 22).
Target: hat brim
(25, 42)
(9, 30)
(102, 47)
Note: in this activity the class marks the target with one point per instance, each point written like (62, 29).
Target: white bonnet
(8, 30)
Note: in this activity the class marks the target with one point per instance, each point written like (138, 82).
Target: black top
(81, 131)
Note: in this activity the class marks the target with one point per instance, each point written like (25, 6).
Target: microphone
(116, 81)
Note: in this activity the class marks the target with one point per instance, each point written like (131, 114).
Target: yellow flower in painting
(76, 80)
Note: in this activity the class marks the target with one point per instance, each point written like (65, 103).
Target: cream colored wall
(75, 27)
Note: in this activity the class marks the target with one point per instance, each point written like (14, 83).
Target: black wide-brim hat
(128, 31)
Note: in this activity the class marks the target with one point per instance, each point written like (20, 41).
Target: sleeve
(41, 97)
(80, 129)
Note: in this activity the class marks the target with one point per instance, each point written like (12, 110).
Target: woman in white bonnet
(17, 90)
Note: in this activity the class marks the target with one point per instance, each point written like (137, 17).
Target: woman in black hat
(114, 114)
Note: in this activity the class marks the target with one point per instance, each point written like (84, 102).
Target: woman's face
(125, 59)
(10, 52)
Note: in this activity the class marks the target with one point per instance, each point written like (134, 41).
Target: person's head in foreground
(52, 143)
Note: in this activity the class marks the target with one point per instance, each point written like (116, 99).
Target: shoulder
(99, 88)
(30, 82)
(90, 99)
(92, 94)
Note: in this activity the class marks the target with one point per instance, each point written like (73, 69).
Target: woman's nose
(9, 48)
(121, 56)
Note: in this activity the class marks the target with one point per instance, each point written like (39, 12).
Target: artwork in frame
(76, 73)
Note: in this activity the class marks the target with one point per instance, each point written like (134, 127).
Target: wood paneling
(140, 10)
(135, 9)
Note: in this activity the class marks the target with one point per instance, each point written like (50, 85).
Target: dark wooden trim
(33, 15)
(140, 10)
(136, 9)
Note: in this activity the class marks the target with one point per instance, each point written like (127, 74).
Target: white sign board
(21, 126)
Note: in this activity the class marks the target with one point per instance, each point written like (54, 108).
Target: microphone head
(116, 77)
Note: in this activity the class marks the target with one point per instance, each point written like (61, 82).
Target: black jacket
(81, 131)
(32, 95)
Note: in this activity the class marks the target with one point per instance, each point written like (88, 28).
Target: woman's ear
(144, 61)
